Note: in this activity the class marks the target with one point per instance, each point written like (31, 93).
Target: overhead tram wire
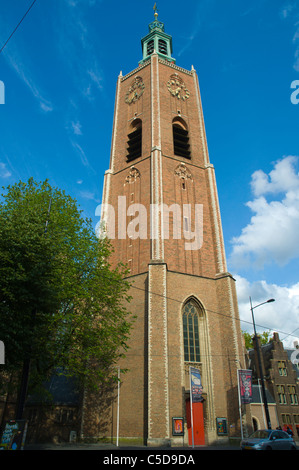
(290, 334)
(17, 26)
(207, 310)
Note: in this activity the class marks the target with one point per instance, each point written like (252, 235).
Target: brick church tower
(160, 208)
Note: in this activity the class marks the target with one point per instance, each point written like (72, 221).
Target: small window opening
(181, 146)
(135, 141)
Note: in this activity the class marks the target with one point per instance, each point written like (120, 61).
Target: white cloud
(287, 10)
(81, 153)
(290, 11)
(296, 42)
(281, 316)
(282, 179)
(76, 127)
(87, 195)
(272, 234)
(77, 41)
(28, 80)
(4, 172)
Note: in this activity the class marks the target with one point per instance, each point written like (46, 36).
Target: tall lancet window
(191, 315)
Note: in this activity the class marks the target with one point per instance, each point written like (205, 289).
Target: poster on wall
(245, 385)
(221, 424)
(14, 435)
(177, 426)
(196, 385)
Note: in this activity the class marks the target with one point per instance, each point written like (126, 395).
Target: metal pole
(191, 407)
(240, 406)
(263, 411)
(260, 365)
(117, 419)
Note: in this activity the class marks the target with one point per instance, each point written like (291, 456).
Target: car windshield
(260, 434)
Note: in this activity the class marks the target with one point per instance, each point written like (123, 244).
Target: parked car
(267, 439)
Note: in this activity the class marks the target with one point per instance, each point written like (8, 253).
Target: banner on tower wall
(196, 385)
(245, 385)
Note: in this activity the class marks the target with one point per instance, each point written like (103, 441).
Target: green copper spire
(156, 41)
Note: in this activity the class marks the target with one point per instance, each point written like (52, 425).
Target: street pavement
(114, 448)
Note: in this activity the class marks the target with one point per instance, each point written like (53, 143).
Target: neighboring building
(183, 297)
(258, 412)
(54, 416)
(281, 379)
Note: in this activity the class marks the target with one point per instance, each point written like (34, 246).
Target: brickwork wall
(287, 378)
(154, 388)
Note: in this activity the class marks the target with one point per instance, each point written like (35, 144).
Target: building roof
(257, 394)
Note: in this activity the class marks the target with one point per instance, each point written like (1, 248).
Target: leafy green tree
(265, 338)
(61, 304)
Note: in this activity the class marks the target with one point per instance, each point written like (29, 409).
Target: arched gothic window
(191, 315)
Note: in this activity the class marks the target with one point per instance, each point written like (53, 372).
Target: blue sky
(60, 70)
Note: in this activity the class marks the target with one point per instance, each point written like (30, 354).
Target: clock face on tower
(177, 87)
(135, 91)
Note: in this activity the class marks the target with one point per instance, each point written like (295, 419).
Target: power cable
(17, 26)
(206, 309)
(290, 334)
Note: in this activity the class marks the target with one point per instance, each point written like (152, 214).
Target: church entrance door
(198, 423)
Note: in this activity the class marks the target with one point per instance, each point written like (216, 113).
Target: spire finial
(156, 11)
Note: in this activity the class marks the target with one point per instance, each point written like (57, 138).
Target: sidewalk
(106, 447)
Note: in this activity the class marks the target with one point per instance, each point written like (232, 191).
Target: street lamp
(260, 362)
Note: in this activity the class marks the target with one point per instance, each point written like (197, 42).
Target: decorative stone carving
(182, 172)
(177, 87)
(133, 175)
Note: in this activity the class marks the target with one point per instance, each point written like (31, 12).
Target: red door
(198, 424)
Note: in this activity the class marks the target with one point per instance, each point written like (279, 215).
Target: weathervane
(156, 24)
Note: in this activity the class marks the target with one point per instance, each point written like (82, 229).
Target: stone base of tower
(155, 390)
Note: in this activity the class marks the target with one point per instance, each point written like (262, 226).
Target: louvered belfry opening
(150, 47)
(135, 141)
(162, 46)
(181, 144)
